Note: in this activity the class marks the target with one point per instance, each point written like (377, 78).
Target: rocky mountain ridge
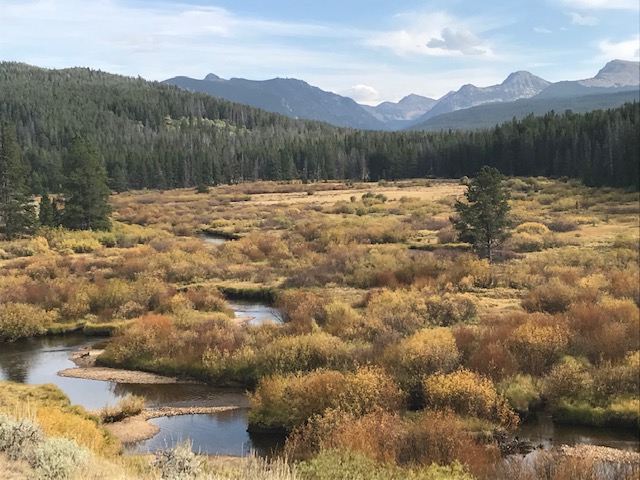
(297, 99)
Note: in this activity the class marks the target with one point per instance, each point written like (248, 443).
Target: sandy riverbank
(85, 359)
(136, 428)
(117, 375)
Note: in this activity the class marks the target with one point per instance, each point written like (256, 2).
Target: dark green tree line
(152, 135)
(17, 213)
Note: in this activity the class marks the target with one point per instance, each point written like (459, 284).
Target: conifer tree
(45, 215)
(17, 213)
(484, 220)
(86, 192)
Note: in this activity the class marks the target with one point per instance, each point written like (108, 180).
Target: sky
(370, 50)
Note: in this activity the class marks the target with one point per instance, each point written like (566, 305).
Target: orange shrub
(388, 438)
(493, 359)
(553, 296)
(301, 309)
(446, 309)
(605, 331)
(149, 336)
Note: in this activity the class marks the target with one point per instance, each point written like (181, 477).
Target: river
(37, 361)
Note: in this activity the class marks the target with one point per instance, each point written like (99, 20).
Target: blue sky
(372, 50)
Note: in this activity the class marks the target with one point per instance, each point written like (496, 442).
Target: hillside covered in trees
(151, 135)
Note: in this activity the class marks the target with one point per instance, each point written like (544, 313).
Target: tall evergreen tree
(45, 214)
(17, 213)
(484, 220)
(86, 192)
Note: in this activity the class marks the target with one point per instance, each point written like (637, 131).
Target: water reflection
(38, 360)
(183, 394)
(541, 430)
(257, 312)
(224, 433)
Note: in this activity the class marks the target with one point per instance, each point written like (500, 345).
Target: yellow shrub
(303, 353)
(537, 345)
(427, 351)
(341, 319)
(287, 401)
(401, 310)
(570, 379)
(526, 242)
(85, 432)
(533, 228)
(23, 320)
(467, 393)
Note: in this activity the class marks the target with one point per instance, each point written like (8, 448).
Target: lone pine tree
(484, 220)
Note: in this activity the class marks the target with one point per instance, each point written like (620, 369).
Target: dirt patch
(331, 196)
(132, 429)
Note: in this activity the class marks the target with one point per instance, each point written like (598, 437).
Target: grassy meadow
(400, 352)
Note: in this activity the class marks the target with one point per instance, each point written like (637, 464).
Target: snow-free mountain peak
(298, 99)
(616, 73)
(400, 114)
(516, 86)
(212, 77)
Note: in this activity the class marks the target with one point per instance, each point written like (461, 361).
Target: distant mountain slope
(617, 75)
(516, 86)
(297, 99)
(486, 116)
(286, 96)
(403, 113)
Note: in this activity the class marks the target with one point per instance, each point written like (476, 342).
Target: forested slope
(157, 136)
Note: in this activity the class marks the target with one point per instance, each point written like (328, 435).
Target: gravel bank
(601, 454)
(137, 428)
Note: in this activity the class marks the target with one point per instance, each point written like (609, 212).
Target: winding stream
(37, 360)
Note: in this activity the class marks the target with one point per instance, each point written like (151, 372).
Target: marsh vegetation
(399, 352)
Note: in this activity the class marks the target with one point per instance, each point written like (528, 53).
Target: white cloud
(433, 34)
(365, 94)
(603, 4)
(161, 40)
(584, 20)
(542, 30)
(625, 50)
(461, 40)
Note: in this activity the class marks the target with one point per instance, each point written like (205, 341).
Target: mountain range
(470, 106)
